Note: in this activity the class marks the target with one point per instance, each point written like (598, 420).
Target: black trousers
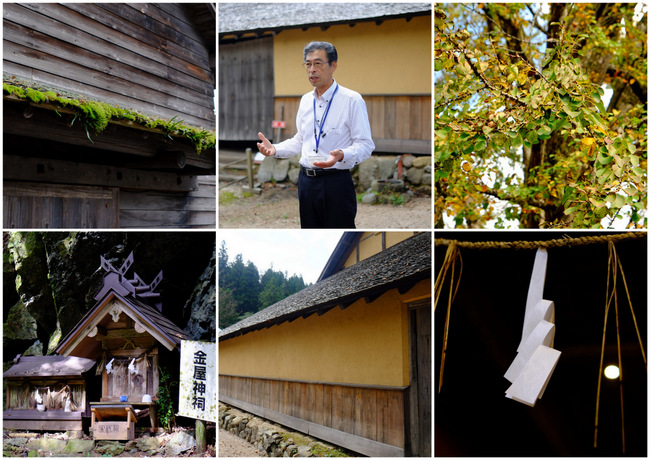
(327, 200)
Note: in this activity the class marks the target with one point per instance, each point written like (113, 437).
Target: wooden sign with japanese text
(198, 380)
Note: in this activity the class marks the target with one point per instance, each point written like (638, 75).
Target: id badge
(314, 155)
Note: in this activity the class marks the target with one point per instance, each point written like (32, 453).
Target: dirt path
(277, 207)
(234, 446)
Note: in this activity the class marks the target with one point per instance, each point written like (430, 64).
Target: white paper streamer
(536, 359)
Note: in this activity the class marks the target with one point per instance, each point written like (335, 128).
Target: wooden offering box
(113, 421)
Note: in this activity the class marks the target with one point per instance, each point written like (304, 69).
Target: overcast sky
(300, 252)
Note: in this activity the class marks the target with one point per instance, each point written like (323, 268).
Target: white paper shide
(531, 370)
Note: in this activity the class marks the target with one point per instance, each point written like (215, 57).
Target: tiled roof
(400, 266)
(240, 17)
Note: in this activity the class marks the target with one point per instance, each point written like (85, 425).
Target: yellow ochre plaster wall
(371, 244)
(387, 59)
(364, 344)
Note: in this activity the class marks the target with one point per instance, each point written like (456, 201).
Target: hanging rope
(452, 254)
(555, 243)
(613, 265)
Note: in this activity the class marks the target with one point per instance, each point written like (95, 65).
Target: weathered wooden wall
(152, 209)
(245, 89)
(34, 205)
(148, 57)
(399, 124)
(368, 420)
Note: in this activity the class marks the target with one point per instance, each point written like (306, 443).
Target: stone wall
(416, 171)
(271, 439)
(69, 444)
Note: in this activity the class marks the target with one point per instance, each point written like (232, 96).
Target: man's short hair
(332, 55)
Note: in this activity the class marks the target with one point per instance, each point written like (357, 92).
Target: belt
(322, 172)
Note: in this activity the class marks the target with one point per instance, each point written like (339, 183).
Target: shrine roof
(137, 299)
(49, 366)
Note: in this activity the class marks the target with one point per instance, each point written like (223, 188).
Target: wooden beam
(42, 170)
(403, 146)
(11, 188)
(52, 124)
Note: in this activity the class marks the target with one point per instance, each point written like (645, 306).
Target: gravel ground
(277, 207)
(234, 446)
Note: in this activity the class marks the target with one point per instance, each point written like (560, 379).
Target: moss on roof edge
(95, 116)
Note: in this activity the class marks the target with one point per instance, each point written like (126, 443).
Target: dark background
(472, 415)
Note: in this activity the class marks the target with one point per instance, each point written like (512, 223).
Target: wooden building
(54, 384)
(126, 333)
(109, 115)
(348, 359)
(384, 54)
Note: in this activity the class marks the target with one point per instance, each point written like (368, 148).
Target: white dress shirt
(346, 128)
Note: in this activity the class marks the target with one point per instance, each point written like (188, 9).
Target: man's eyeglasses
(316, 64)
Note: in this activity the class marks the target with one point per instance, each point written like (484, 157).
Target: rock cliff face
(50, 278)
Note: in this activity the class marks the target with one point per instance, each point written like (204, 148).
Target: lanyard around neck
(319, 128)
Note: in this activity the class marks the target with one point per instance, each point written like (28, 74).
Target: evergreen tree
(227, 308)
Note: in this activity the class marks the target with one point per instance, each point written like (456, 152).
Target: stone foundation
(415, 171)
(271, 439)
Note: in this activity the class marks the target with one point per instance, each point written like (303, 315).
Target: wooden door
(419, 420)
(36, 205)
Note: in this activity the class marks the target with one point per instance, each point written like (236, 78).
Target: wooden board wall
(147, 57)
(34, 205)
(399, 124)
(371, 413)
(245, 89)
(151, 209)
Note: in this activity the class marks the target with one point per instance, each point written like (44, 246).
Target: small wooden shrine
(126, 333)
(46, 393)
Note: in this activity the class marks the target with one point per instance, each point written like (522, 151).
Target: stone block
(281, 170)
(265, 171)
(387, 167)
(407, 160)
(421, 162)
(368, 171)
(148, 444)
(294, 173)
(79, 446)
(414, 175)
(179, 443)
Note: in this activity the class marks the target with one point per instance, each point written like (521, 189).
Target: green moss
(14, 90)
(35, 96)
(226, 198)
(95, 116)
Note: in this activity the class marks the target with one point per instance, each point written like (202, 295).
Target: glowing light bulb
(612, 372)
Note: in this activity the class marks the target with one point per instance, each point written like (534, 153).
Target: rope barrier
(555, 243)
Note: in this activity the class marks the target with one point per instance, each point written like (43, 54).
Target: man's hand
(265, 147)
(335, 156)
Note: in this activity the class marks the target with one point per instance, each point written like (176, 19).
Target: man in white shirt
(333, 136)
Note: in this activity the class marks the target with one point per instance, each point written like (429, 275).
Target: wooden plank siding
(399, 124)
(245, 89)
(150, 209)
(146, 57)
(365, 419)
(32, 205)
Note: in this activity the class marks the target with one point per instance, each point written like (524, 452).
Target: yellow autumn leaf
(587, 140)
